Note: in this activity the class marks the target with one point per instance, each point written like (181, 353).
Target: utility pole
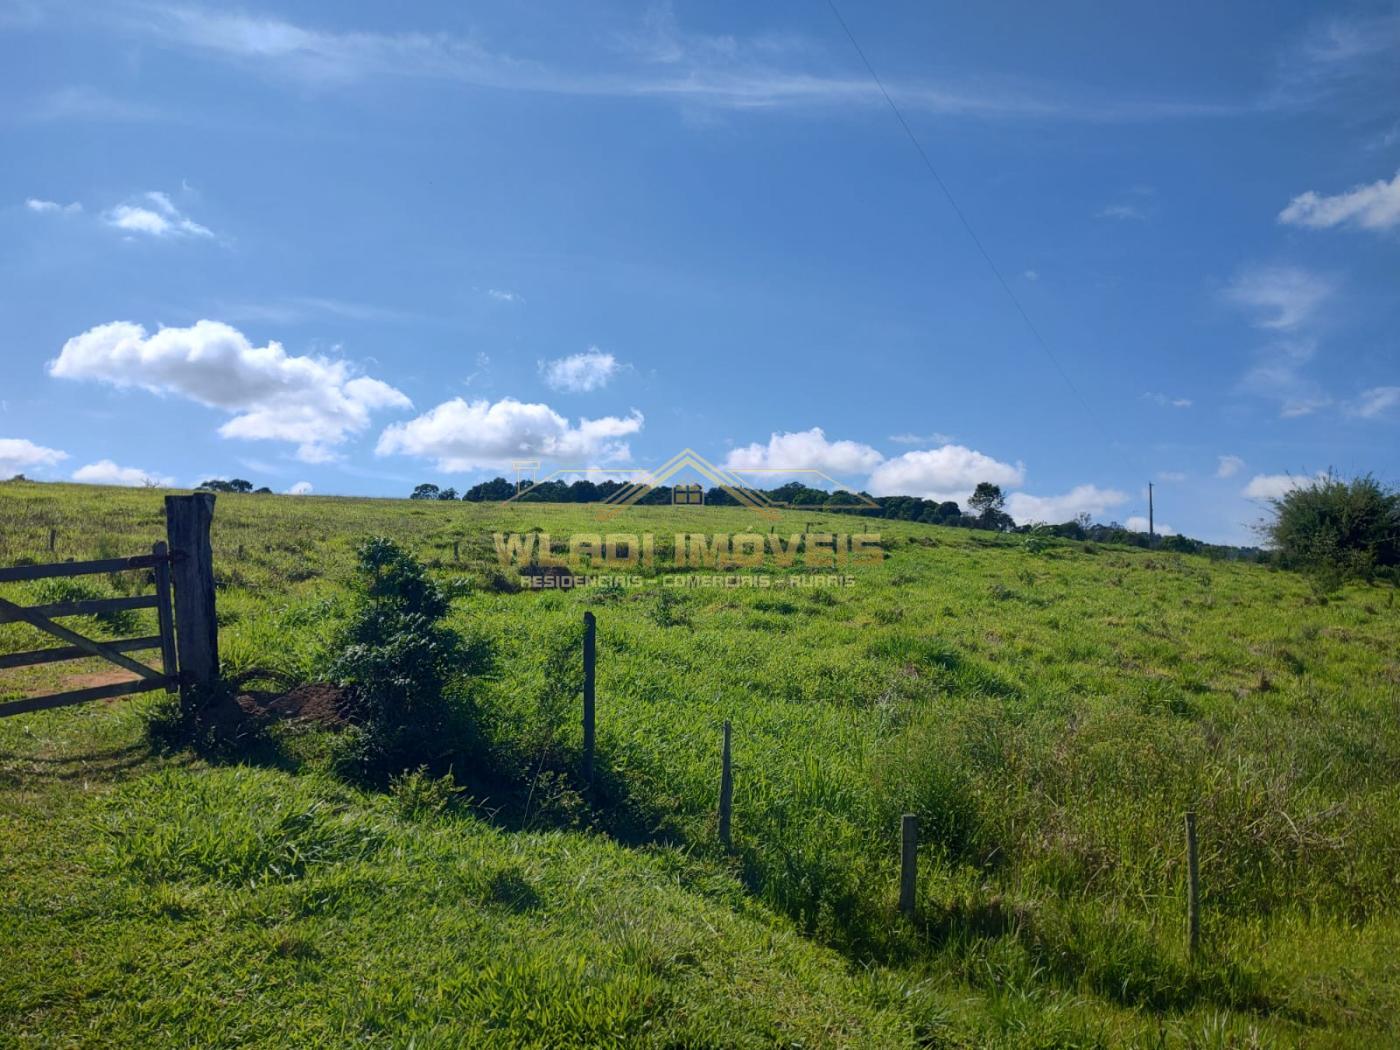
(1151, 524)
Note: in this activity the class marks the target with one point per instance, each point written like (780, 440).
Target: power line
(966, 225)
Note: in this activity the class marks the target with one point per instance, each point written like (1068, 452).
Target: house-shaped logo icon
(727, 480)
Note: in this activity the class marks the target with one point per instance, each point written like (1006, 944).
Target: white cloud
(1138, 523)
(1371, 207)
(936, 438)
(801, 451)
(1280, 297)
(105, 472)
(301, 488)
(580, 373)
(18, 455)
(1168, 402)
(315, 402)
(947, 473)
(1082, 499)
(1031, 275)
(161, 220)
(469, 435)
(1273, 486)
(1229, 466)
(505, 295)
(51, 207)
(1376, 402)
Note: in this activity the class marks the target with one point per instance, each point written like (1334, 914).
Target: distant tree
(985, 499)
(264, 491)
(494, 490)
(1347, 528)
(219, 485)
(447, 493)
(427, 490)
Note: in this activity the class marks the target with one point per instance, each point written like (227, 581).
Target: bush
(1338, 528)
(407, 670)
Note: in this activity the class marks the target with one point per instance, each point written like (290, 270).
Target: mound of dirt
(315, 702)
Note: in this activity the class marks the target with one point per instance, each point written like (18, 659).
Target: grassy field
(1049, 714)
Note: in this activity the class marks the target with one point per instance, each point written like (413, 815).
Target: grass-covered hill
(1049, 711)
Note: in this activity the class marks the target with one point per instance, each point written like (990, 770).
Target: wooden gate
(187, 558)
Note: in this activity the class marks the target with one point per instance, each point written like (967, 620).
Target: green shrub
(1337, 528)
(407, 670)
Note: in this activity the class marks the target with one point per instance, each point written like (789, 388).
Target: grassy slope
(1048, 716)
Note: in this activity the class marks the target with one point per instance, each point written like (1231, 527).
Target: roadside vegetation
(1048, 708)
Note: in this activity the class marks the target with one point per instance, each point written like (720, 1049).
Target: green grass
(1049, 716)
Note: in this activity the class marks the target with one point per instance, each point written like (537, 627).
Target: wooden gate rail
(80, 647)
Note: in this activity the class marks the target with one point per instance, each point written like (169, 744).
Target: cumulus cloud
(580, 373)
(52, 207)
(1279, 297)
(1082, 499)
(301, 488)
(1376, 402)
(1371, 207)
(105, 472)
(947, 473)
(804, 450)
(1137, 523)
(313, 402)
(157, 216)
(1228, 466)
(1274, 486)
(18, 455)
(471, 435)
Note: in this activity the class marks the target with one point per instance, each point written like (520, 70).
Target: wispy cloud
(1228, 466)
(1121, 212)
(1166, 401)
(505, 295)
(659, 61)
(936, 437)
(1371, 207)
(1376, 402)
(52, 207)
(160, 219)
(1279, 297)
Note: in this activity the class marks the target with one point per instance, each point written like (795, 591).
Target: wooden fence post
(454, 549)
(909, 865)
(164, 614)
(726, 792)
(590, 631)
(53, 539)
(1193, 889)
(187, 520)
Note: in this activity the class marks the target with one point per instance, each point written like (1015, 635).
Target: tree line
(985, 509)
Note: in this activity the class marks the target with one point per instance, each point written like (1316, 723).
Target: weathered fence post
(908, 864)
(1193, 889)
(187, 520)
(590, 632)
(726, 792)
(454, 549)
(53, 539)
(164, 614)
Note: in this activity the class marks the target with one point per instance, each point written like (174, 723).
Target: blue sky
(349, 247)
